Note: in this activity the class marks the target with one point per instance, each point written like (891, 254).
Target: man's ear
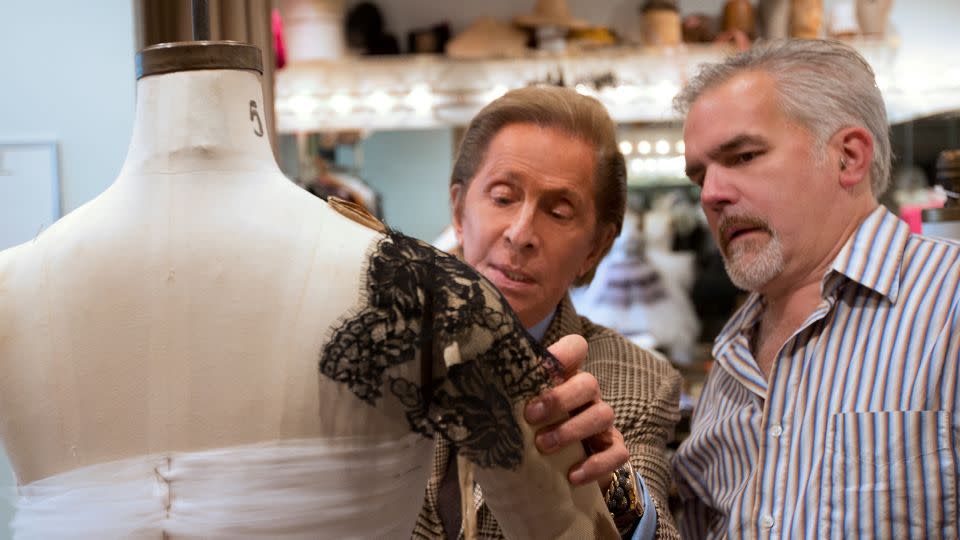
(854, 148)
(456, 209)
(606, 234)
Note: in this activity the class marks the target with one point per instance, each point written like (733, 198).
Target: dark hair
(563, 109)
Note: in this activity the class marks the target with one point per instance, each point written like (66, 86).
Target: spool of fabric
(312, 29)
(738, 15)
(775, 18)
(806, 19)
(872, 16)
(660, 24)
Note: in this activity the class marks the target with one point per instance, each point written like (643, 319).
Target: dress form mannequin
(185, 310)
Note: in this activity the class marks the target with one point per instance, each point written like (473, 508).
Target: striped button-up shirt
(855, 433)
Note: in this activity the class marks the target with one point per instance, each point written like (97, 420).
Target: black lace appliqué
(420, 302)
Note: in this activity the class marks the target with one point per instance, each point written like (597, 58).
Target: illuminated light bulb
(622, 94)
(302, 105)
(679, 166)
(680, 147)
(496, 92)
(380, 102)
(644, 147)
(665, 91)
(663, 147)
(420, 99)
(341, 104)
(626, 147)
(883, 82)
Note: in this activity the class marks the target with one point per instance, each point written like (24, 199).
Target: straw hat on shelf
(553, 13)
(488, 38)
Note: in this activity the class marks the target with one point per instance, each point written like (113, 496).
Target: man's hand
(590, 419)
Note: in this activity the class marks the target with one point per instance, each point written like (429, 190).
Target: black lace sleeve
(424, 304)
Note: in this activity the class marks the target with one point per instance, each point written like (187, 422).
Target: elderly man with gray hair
(538, 193)
(833, 409)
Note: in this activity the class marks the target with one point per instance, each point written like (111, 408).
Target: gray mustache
(739, 222)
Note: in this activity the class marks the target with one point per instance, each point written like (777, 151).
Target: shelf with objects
(637, 84)
(421, 91)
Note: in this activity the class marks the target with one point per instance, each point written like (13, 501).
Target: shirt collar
(540, 329)
(873, 255)
(744, 319)
(732, 346)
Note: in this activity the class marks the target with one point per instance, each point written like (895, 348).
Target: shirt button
(776, 431)
(766, 521)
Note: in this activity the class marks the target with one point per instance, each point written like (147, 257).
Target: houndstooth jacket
(643, 391)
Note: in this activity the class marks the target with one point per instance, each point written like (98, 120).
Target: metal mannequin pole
(201, 20)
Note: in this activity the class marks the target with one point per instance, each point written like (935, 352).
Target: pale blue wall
(411, 170)
(67, 76)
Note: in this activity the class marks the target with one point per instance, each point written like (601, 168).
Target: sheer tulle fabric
(289, 490)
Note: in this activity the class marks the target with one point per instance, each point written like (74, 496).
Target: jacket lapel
(566, 321)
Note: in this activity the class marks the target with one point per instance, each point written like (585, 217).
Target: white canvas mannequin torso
(204, 280)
